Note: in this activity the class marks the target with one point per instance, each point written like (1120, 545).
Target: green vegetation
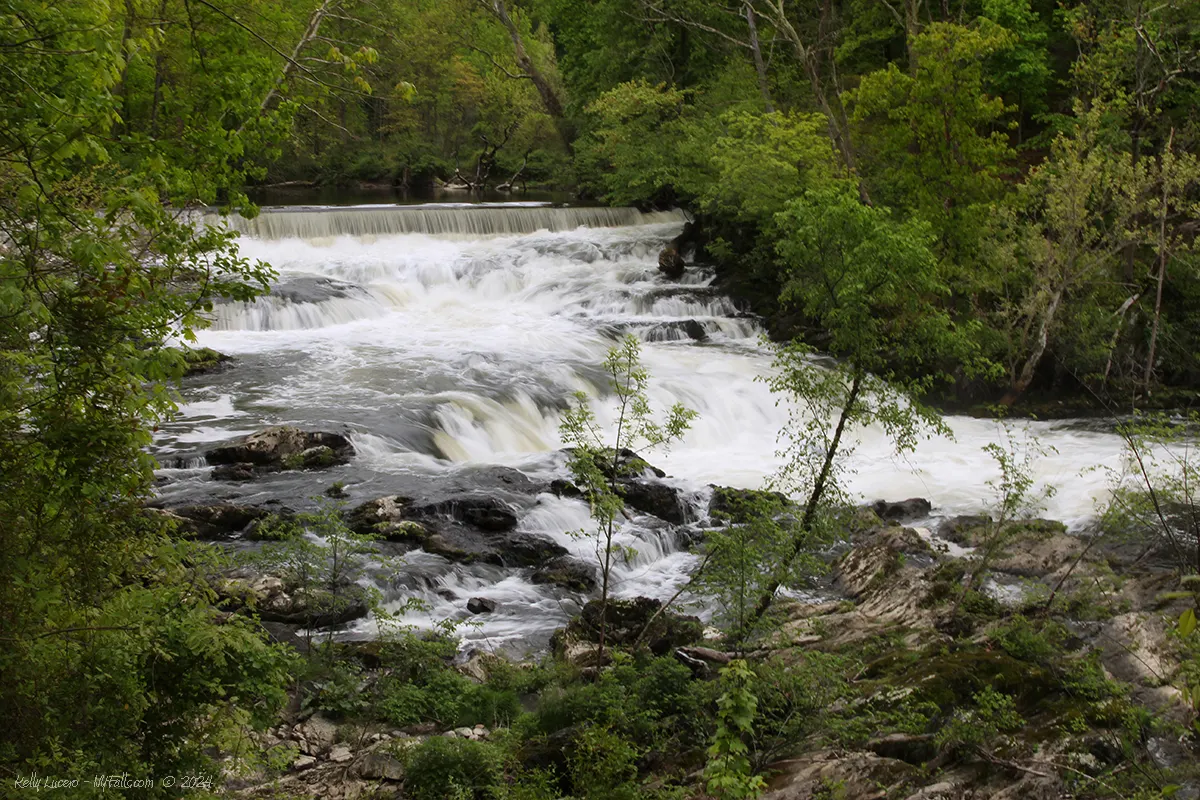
(983, 203)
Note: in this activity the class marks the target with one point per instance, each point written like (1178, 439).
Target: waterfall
(436, 220)
(449, 339)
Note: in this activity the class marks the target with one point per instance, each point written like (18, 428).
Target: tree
(933, 144)
(600, 466)
(869, 283)
(113, 657)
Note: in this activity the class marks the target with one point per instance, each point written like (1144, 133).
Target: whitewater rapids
(446, 338)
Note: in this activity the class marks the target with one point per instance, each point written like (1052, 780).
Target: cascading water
(447, 339)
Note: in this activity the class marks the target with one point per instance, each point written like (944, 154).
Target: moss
(201, 360)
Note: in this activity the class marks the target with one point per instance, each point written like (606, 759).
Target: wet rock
(313, 289)
(315, 609)
(569, 573)
(902, 510)
(202, 360)
(284, 447)
(738, 505)
(627, 619)
(235, 473)
(656, 499)
(485, 513)
(676, 330)
(671, 263)
(564, 488)
(388, 517)
(520, 549)
(481, 605)
(217, 520)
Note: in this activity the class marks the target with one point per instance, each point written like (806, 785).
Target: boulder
(903, 510)
(569, 573)
(316, 609)
(217, 520)
(481, 605)
(671, 263)
(201, 360)
(482, 512)
(284, 447)
(656, 499)
(738, 505)
(318, 731)
(379, 765)
(627, 619)
(521, 549)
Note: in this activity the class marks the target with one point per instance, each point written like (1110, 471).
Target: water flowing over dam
(447, 340)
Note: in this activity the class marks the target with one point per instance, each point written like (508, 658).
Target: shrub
(453, 769)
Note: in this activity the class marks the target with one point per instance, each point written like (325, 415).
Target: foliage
(443, 768)
(600, 467)
(1154, 498)
(993, 715)
(728, 774)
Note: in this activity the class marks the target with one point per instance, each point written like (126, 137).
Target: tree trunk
(310, 33)
(1025, 377)
(764, 87)
(1163, 258)
(550, 99)
(814, 500)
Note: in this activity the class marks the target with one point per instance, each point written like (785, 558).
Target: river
(446, 340)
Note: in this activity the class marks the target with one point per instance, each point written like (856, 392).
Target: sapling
(601, 464)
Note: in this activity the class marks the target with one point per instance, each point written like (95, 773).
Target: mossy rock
(198, 361)
(741, 505)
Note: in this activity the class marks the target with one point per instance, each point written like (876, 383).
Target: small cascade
(435, 220)
(448, 339)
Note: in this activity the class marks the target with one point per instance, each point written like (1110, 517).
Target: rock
(485, 513)
(671, 263)
(520, 549)
(340, 754)
(219, 519)
(569, 573)
(911, 748)
(303, 762)
(564, 488)
(235, 472)
(201, 360)
(903, 510)
(868, 567)
(387, 517)
(960, 529)
(738, 505)
(863, 776)
(318, 609)
(284, 447)
(379, 766)
(319, 732)
(676, 330)
(628, 618)
(464, 733)
(481, 605)
(656, 499)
